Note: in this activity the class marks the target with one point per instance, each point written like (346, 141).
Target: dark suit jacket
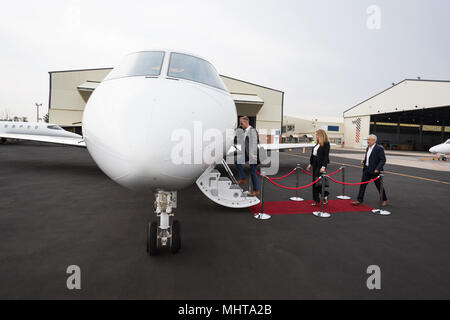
(377, 159)
(323, 156)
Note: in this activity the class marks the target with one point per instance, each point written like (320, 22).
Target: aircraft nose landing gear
(164, 235)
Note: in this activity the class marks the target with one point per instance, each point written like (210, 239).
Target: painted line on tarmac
(389, 172)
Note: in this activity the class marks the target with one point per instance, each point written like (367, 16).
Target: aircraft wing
(71, 141)
(281, 146)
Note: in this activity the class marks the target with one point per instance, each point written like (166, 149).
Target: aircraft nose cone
(432, 150)
(134, 126)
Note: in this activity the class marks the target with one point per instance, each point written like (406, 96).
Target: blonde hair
(322, 137)
(245, 118)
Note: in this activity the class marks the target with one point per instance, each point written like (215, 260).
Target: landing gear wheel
(152, 238)
(176, 237)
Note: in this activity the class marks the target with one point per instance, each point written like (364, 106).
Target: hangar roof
(409, 94)
(221, 75)
(241, 98)
(247, 99)
(88, 86)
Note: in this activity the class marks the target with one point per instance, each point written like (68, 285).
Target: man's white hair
(373, 137)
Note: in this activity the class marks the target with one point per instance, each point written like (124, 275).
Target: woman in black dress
(319, 161)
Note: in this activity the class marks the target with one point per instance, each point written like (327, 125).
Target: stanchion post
(262, 215)
(297, 198)
(343, 196)
(321, 213)
(380, 211)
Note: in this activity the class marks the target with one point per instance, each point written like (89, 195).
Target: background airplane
(442, 150)
(162, 91)
(39, 131)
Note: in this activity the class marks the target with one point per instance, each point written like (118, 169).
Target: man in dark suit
(373, 163)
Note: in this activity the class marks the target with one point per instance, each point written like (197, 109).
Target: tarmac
(58, 209)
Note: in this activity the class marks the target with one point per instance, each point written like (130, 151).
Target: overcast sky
(321, 53)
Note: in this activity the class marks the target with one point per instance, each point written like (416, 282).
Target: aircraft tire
(176, 237)
(152, 238)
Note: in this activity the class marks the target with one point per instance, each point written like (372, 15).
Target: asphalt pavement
(58, 209)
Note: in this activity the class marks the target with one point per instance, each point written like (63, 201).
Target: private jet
(442, 150)
(128, 128)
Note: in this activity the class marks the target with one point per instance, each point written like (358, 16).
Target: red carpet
(304, 207)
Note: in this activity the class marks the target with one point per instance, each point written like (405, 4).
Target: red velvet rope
(289, 188)
(314, 182)
(310, 174)
(285, 176)
(334, 172)
(355, 184)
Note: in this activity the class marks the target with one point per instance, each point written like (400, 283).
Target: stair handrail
(230, 173)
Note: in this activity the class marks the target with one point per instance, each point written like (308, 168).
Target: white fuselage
(441, 149)
(129, 121)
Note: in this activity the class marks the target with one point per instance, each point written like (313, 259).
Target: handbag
(320, 183)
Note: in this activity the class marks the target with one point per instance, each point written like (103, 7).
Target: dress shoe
(242, 181)
(356, 203)
(253, 193)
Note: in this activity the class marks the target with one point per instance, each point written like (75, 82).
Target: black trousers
(317, 188)
(366, 176)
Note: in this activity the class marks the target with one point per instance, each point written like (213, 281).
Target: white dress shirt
(246, 131)
(369, 152)
(315, 150)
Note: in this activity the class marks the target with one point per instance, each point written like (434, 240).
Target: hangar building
(411, 115)
(302, 128)
(70, 90)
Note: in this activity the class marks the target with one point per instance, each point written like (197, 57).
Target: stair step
(222, 190)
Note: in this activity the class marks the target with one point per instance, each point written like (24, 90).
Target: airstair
(224, 190)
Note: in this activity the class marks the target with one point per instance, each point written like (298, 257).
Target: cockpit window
(53, 127)
(188, 67)
(144, 63)
(448, 141)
